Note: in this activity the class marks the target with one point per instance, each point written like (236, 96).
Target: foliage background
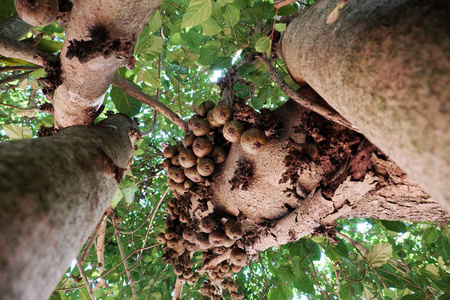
(179, 55)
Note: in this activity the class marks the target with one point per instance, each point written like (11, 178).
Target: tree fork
(383, 66)
(53, 192)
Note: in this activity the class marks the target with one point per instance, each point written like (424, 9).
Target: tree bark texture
(384, 65)
(53, 192)
(289, 190)
(100, 38)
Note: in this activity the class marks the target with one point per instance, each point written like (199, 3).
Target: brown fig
(176, 174)
(160, 238)
(192, 120)
(224, 266)
(212, 122)
(207, 224)
(202, 240)
(236, 268)
(188, 139)
(188, 273)
(191, 247)
(232, 131)
(205, 107)
(193, 174)
(169, 151)
(173, 243)
(174, 160)
(193, 279)
(217, 237)
(188, 184)
(205, 166)
(178, 270)
(202, 146)
(167, 163)
(233, 229)
(218, 154)
(187, 158)
(172, 201)
(229, 242)
(188, 263)
(200, 127)
(184, 218)
(238, 256)
(169, 234)
(189, 234)
(253, 141)
(37, 12)
(169, 209)
(222, 113)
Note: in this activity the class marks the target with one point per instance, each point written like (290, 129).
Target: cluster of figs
(190, 164)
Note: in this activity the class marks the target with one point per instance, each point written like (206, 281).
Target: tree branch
(19, 68)
(88, 287)
(326, 112)
(129, 88)
(23, 50)
(178, 288)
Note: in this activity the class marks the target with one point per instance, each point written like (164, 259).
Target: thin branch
(88, 287)
(265, 276)
(14, 78)
(119, 243)
(325, 112)
(91, 239)
(100, 254)
(215, 261)
(19, 68)
(178, 288)
(129, 88)
(24, 51)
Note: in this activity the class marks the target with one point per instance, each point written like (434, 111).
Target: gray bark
(384, 65)
(53, 192)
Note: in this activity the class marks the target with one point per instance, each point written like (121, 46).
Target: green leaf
(192, 38)
(208, 54)
(263, 44)
(280, 27)
(395, 226)
(367, 294)
(155, 21)
(429, 235)
(261, 97)
(49, 46)
(231, 15)
(210, 27)
(285, 273)
(379, 254)
(304, 283)
(443, 247)
(38, 73)
(129, 194)
(282, 292)
(15, 132)
(116, 198)
(124, 103)
(29, 113)
(198, 12)
(246, 69)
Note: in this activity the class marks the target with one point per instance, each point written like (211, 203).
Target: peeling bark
(54, 191)
(385, 67)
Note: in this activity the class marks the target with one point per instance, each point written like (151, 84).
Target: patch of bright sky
(218, 73)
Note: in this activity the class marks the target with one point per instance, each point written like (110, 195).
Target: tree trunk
(384, 65)
(53, 192)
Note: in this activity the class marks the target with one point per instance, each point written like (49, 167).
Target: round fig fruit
(189, 234)
(191, 247)
(167, 163)
(188, 273)
(217, 237)
(176, 174)
(193, 174)
(211, 120)
(233, 229)
(253, 141)
(192, 120)
(218, 154)
(207, 224)
(202, 240)
(200, 127)
(160, 238)
(173, 243)
(236, 268)
(232, 131)
(224, 266)
(188, 184)
(238, 256)
(184, 218)
(37, 12)
(222, 113)
(178, 270)
(188, 139)
(193, 279)
(175, 160)
(172, 201)
(169, 209)
(229, 242)
(205, 166)
(187, 158)
(169, 234)
(169, 151)
(202, 146)
(205, 107)
(188, 263)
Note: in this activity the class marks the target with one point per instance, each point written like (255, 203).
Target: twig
(19, 68)
(129, 88)
(215, 261)
(88, 287)
(100, 254)
(24, 51)
(325, 112)
(91, 239)
(14, 77)
(125, 264)
(178, 288)
(153, 217)
(265, 276)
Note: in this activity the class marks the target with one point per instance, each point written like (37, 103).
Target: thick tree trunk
(385, 66)
(53, 192)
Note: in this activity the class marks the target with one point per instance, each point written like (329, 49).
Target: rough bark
(385, 67)
(54, 191)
